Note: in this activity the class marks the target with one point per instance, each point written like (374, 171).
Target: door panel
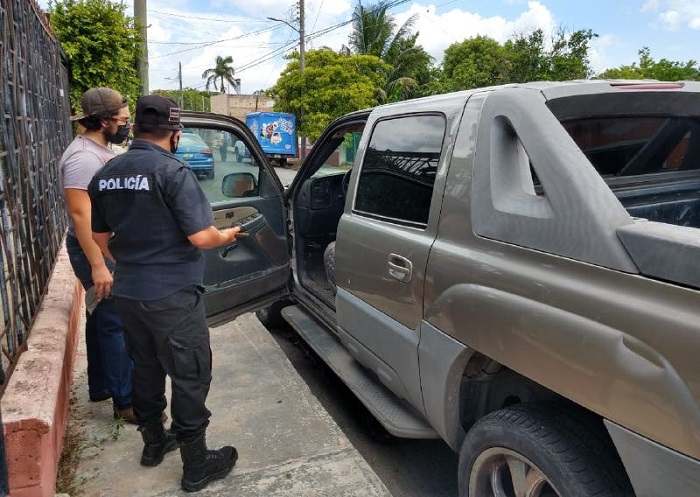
(383, 243)
(254, 270)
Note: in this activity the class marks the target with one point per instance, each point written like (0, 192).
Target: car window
(212, 154)
(634, 145)
(341, 159)
(191, 139)
(399, 168)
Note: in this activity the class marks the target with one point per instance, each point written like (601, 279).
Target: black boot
(156, 443)
(200, 465)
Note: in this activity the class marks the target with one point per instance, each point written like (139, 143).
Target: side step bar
(398, 419)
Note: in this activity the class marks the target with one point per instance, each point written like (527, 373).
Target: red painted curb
(35, 402)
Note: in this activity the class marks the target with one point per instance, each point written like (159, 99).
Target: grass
(74, 445)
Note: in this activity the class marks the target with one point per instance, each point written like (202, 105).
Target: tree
(566, 57)
(332, 85)
(482, 61)
(648, 68)
(473, 63)
(191, 99)
(102, 44)
(222, 72)
(374, 33)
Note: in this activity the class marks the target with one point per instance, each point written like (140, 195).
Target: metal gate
(34, 131)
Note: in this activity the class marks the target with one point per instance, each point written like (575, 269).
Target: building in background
(239, 106)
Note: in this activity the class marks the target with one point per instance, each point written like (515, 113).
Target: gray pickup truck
(515, 270)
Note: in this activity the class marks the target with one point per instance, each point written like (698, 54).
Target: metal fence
(34, 131)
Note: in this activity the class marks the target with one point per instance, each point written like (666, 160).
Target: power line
(248, 21)
(208, 44)
(318, 13)
(274, 53)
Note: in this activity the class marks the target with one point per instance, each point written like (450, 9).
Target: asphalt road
(408, 468)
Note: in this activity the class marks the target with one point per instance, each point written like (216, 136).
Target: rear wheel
(540, 450)
(211, 174)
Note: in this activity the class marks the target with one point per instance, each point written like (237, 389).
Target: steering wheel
(345, 183)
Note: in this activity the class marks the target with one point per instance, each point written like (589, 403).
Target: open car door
(254, 271)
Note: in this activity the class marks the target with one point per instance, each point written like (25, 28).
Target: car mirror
(237, 185)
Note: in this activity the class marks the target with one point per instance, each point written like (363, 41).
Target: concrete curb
(35, 402)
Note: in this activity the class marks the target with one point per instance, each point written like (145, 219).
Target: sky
(192, 33)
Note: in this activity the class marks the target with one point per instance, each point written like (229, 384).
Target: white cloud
(671, 19)
(438, 31)
(675, 14)
(598, 52)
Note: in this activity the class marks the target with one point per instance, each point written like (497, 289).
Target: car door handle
(400, 268)
(228, 249)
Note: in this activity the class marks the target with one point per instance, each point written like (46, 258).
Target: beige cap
(100, 101)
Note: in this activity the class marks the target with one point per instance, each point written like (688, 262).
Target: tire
(211, 174)
(558, 451)
(271, 316)
(329, 265)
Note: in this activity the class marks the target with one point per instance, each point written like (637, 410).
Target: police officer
(150, 215)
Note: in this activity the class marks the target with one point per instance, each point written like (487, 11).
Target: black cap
(156, 111)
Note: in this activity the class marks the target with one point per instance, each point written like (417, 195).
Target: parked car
(240, 151)
(511, 269)
(195, 151)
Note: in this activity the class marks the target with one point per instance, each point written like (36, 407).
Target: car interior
(318, 207)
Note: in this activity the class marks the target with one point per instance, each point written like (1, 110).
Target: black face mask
(173, 143)
(121, 134)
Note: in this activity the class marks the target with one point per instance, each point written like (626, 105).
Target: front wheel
(540, 450)
(271, 316)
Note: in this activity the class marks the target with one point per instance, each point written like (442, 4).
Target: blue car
(195, 151)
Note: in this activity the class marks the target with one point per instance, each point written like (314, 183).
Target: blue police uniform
(152, 202)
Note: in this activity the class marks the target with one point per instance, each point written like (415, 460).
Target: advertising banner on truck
(275, 131)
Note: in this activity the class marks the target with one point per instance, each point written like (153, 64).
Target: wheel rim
(500, 472)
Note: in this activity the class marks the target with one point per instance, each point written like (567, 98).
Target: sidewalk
(288, 445)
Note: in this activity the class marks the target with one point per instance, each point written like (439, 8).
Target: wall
(35, 402)
(240, 105)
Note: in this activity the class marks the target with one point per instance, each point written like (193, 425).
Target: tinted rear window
(627, 146)
(632, 133)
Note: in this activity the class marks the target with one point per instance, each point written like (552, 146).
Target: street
(408, 468)
(212, 187)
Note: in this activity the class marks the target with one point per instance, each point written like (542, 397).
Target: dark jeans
(170, 336)
(108, 365)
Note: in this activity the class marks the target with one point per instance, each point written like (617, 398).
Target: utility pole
(141, 17)
(302, 66)
(179, 75)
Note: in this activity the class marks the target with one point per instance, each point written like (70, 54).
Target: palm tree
(221, 72)
(374, 33)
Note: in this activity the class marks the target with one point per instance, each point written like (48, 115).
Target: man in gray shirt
(105, 117)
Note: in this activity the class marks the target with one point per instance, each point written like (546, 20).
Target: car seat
(329, 264)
